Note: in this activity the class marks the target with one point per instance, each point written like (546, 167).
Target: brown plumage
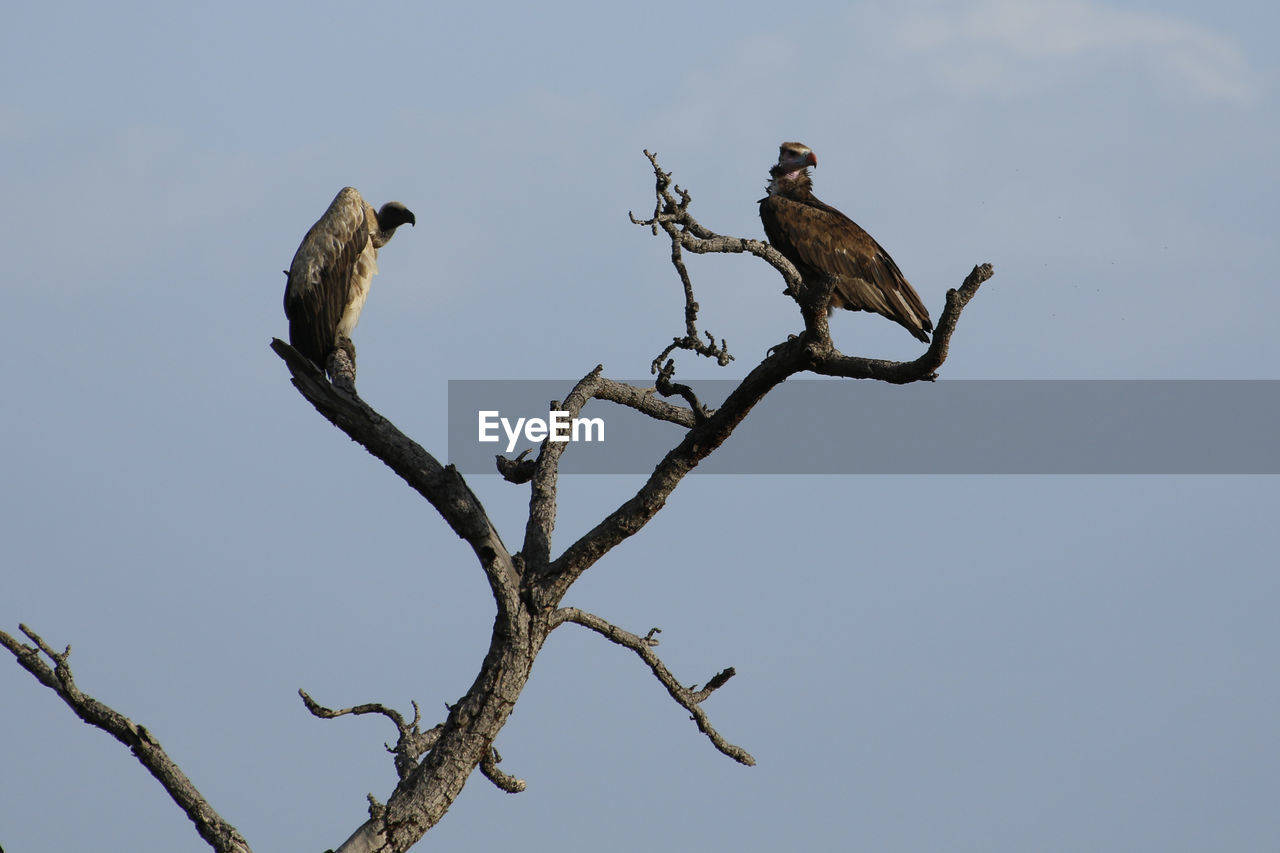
(331, 271)
(821, 241)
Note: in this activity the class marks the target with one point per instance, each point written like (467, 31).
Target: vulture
(330, 274)
(821, 241)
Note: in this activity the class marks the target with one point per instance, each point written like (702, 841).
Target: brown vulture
(821, 241)
(330, 274)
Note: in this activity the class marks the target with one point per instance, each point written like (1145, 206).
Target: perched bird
(821, 241)
(330, 274)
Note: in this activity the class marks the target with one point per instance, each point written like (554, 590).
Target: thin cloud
(1195, 58)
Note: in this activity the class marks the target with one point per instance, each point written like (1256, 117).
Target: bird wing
(320, 276)
(817, 237)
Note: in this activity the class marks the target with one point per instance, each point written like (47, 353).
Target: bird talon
(776, 347)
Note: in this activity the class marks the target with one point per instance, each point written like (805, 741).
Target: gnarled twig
(688, 698)
(672, 216)
(411, 744)
(504, 781)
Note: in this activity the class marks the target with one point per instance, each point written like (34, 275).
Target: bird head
(394, 214)
(794, 156)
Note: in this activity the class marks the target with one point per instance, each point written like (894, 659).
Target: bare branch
(443, 486)
(643, 401)
(687, 698)
(466, 737)
(428, 789)
(698, 443)
(536, 550)
(504, 781)
(673, 217)
(411, 744)
(324, 713)
(219, 834)
(542, 501)
(811, 351)
(667, 388)
(926, 366)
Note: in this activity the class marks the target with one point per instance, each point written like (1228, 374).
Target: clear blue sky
(984, 663)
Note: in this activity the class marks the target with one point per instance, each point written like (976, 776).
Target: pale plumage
(331, 271)
(821, 241)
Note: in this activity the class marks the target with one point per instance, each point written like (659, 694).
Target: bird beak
(812, 160)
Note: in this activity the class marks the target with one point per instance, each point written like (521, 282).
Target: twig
(411, 744)
(667, 388)
(687, 698)
(672, 216)
(504, 781)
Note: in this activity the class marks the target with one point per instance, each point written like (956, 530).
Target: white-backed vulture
(330, 274)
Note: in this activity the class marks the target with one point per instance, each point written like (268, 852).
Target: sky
(956, 663)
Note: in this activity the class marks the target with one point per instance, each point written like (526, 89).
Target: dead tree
(528, 585)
